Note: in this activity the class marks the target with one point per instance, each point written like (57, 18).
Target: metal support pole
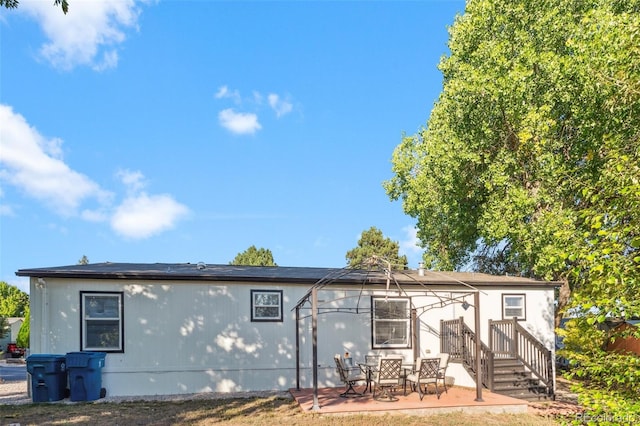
(297, 348)
(476, 307)
(314, 339)
(414, 334)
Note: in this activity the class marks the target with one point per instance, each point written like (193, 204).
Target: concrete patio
(455, 400)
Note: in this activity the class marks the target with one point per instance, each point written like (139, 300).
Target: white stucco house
(190, 328)
(11, 334)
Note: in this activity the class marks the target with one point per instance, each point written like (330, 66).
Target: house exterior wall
(191, 337)
(12, 335)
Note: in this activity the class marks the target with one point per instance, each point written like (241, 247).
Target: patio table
(406, 370)
(368, 369)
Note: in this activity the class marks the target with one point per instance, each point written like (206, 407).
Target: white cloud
(224, 93)
(239, 122)
(88, 35)
(34, 164)
(411, 243)
(257, 97)
(247, 122)
(142, 216)
(281, 107)
(6, 210)
(134, 180)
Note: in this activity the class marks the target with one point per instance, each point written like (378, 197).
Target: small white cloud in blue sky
(281, 107)
(86, 36)
(134, 180)
(224, 93)
(34, 165)
(240, 123)
(410, 244)
(247, 123)
(142, 216)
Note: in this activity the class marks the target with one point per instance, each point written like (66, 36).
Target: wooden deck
(456, 400)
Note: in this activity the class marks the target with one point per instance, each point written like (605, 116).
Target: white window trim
(255, 317)
(523, 306)
(405, 322)
(84, 318)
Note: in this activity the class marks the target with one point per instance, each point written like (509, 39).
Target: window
(102, 325)
(391, 323)
(513, 305)
(266, 305)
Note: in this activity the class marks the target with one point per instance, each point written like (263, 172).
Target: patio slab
(456, 400)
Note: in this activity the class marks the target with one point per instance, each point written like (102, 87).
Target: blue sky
(166, 131)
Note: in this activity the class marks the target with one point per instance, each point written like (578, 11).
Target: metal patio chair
(442, 370)
(349, 377)
(426, 373)
(387, 377)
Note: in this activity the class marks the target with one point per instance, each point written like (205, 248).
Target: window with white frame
(266, 305)
(391, 323)
(513, 305)
(101, 325)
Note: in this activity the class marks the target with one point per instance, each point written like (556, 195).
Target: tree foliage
(84, 260)
(25, 331)
(254, 257)
(13, 301)
(13, 4)
(4, 328)
(373, 243)
(530, 160)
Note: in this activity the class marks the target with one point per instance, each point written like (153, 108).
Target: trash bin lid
(45, 357)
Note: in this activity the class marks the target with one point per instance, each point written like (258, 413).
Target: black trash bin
(48, 377)
(85, 375)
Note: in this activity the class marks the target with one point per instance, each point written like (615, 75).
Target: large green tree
(529, 162)
(372, 243)
(254, 257)
(13, 301)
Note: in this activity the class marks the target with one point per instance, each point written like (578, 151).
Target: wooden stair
(511, 378)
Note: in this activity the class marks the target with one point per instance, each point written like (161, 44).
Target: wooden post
(514, 338)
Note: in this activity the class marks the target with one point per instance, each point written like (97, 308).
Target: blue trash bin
(48, 377)
(85, 375)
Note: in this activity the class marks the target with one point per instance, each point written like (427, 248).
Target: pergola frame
(379, 272)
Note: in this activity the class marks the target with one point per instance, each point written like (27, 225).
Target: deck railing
(507, 339)
(457, 339)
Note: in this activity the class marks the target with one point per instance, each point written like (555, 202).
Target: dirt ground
(274, 410)
(565, 404)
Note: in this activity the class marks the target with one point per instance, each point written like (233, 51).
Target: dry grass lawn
(252, 411)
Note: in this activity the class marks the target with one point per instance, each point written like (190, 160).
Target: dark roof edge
(156, 276)
(358, 279)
